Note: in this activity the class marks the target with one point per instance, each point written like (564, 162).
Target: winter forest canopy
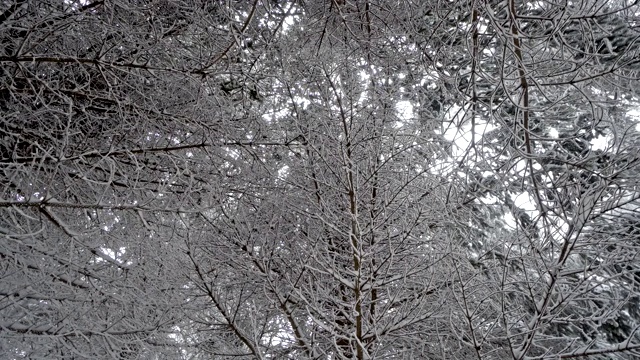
(326, 179)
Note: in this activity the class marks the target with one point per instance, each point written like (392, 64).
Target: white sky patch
(521, 166)
(431, 79)
(510, 220)
(490, 199)
(489, 52)
(635, 115)
(303, 102)
(115, 255)
(600, 143)
(364, 77)
(283, 172)
(525, 202)
(405, 110)
(290, 20)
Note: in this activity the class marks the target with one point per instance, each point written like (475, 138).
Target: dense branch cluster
(353, 179)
